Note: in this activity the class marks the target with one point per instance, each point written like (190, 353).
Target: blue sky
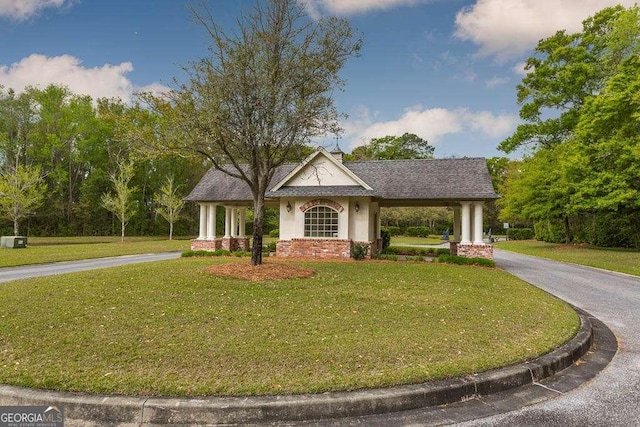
(445, 70)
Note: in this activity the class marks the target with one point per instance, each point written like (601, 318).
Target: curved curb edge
(123, 410)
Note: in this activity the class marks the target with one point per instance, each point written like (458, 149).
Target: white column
(234, 222)
(242, 222)
(211, 221)
(466, 222)
(202, 232)
(456, 224)
(477, 223)
(227, 221)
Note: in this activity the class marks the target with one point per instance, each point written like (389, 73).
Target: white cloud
(155, 88)
(520, 69)
(351, 7)
(24, 9)
(508, 28)
(431, 124)
(497, 81)
(104, 81)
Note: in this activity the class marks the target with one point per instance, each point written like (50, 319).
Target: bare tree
(263, 92)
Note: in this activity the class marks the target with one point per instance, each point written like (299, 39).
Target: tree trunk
(567, 231)
(122, 232)
(258, 222)
(171, 230)
(15, 227)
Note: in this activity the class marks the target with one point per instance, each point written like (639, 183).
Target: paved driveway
(23, 272)
(613, 397)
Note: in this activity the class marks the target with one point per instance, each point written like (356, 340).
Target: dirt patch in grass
(256, 273)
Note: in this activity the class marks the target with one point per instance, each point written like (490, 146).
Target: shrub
(614, 229)
(219, 252)
(386, 238)
(392, 230)
(455, 259)
(274, 233)
(359, 251)
(270, 247)
(521, 234)
(412, 251)
(418, 231)
(551, 231)
(240, 253)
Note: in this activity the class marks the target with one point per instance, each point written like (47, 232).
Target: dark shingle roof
(441, 179)
(394, 181)
(220, 187)
(322, 191)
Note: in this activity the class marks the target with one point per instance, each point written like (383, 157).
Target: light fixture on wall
(357, 207)
(288, 206)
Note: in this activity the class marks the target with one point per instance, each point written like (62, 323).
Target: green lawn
(54, 249)
(410, 240)
(621, 260)
(170, 328)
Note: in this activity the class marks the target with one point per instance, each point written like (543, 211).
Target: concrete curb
(91, 409)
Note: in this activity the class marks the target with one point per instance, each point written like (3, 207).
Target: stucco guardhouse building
(327, 205)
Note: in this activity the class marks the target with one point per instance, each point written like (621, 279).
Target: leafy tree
(264, 91)
(21, 193)
(580, 107)
(568, 68)
(170, 203)
(16, 121)
(407, 146)
(66, 125)
(121, 203)
(536, 189)
(498, 170)
(605, 155)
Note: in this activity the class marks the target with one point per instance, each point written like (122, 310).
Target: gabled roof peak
(321, 151)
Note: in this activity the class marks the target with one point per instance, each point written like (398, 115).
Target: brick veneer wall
(318, 248)
(469, 250)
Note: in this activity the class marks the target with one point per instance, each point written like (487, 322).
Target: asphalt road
(27, 271)
(613, 397)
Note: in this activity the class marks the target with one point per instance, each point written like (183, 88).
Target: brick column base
(316, 248)
(232, 244)
(227, 243)
(206, 245)
(242, 244)
(469, 250)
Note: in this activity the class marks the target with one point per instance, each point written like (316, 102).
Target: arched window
(321, 221)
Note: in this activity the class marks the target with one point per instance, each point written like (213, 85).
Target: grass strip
(44, 250)
(171, 329)
(614, 259)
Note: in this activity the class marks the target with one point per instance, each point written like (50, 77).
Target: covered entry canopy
(352, 194)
